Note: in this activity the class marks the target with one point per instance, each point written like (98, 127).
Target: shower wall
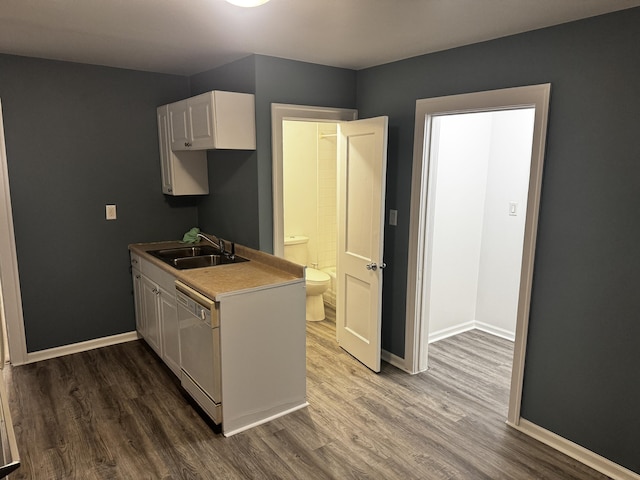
(310, 182)
(327, 195)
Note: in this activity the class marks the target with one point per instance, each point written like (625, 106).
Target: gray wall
(582, 354)
(285, 81)
(79, 137)
(240, 204)
(231, 208)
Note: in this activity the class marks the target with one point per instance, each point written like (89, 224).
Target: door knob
(374, 266)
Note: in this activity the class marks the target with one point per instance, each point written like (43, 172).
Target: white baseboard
(583, 455)
(80, 347)
(471, 325)
(451, 331)
(496, 331)
(265, 420)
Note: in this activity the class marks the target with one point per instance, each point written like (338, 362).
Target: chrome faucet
(219, 245)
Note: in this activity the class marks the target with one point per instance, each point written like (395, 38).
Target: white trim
(280, 112)
(583, 455)
(536, 96)
(472, 325)
(394, 360)
(451, 331)
(81, 347)
(265, 420)
(495, 331)
(9, 278)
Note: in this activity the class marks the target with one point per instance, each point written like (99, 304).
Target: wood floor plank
(119, 413)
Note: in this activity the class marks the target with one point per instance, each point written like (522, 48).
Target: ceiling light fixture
(247, 3)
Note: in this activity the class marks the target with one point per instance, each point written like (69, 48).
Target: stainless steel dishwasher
(199, 329)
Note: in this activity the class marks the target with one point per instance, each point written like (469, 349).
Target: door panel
(362, 155)
(357, 316)
(361, 220)
(200, 118)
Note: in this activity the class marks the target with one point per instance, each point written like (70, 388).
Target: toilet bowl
(317, 283)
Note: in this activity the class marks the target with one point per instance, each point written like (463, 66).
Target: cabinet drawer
(135, 261)
(163, 279)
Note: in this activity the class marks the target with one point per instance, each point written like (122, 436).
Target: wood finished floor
(117, 413)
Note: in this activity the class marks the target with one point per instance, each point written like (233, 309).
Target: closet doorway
(423, 212)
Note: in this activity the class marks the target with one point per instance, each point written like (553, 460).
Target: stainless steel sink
(184, 258)
(204, 261)
(184, 252)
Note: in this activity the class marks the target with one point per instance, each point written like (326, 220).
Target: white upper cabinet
(213, 120)
(183, 173)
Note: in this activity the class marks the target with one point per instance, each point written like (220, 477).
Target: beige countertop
(263, 270)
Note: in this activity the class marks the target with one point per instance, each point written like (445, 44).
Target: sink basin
(184, 252)
(184, 258)
(204, 261)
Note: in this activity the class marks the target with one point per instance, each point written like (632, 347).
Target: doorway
(480, 163)
(13, 334)
(361, 153)
(301, 113)
(422, 215)
(310, 183)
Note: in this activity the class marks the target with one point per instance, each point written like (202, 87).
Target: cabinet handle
(187, 144)
(138, 276)
(170, 190)
(134, 261)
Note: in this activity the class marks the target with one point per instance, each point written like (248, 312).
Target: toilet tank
(295, 249)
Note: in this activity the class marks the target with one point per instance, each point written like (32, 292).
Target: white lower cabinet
(137, 298)
(151, 313)
(156, 312)
(241, 357)
(169, 328)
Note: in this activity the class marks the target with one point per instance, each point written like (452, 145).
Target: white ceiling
(190, 36)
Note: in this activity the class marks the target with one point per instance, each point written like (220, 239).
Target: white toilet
(317, 282)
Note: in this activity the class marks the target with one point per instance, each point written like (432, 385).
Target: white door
(362, 165)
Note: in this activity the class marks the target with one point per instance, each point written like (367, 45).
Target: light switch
(111, 212)
(393, 217)
(513, 209)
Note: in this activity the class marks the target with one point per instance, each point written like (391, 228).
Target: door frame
(280, 112)
(416, 335)
(9, 278)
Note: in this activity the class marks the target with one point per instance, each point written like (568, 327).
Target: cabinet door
(165, 150)
(170, 331)
(201, 121)
(137, 299)
(184, 172)
(151, 312)
(234, 116)
(179, 126)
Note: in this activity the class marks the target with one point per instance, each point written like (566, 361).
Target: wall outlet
(393, 217)
(110, 212)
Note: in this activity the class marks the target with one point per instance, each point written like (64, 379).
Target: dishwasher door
(199, 350)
